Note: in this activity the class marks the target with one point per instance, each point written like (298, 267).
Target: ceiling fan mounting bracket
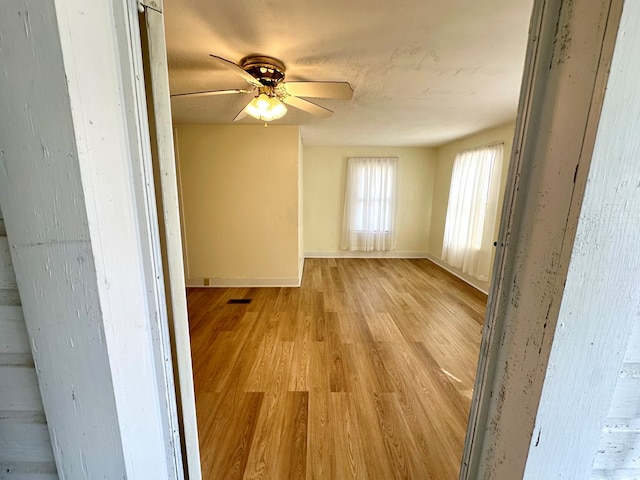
(267, 70)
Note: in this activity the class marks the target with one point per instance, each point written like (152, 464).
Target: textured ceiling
(424, 72)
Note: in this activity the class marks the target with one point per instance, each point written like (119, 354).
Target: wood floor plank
(383, 328)
(292, 456)
(422, 426)
(364, 372)
(230, 437)
(349, 462)
(395, 441)
(335, 354)
(320, 450)
(299, 373)
(370, 426)
(263, 454)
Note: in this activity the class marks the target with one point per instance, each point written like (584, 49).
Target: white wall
(324, 188)
(240, 203)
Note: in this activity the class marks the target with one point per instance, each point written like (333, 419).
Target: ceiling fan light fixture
(266, 108)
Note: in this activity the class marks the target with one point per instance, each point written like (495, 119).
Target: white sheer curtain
(369, 206)
(472, 210)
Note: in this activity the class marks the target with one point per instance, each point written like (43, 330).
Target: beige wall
(324, 183)
(446, 155)
(244, 211)
(240, 200)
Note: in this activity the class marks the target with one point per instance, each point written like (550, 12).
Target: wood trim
(599, 305)
(149, 226)
(477, 284)
(243, 282)
(551, 152)
(155, 5)
(183, 225)
(300, 269)
(170, 218)
(349, 254)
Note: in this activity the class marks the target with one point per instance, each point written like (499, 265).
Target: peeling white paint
(73, 222)
(601, 297)
(553, 145)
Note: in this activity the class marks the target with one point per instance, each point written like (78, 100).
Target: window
(369, 204)
(471, 213)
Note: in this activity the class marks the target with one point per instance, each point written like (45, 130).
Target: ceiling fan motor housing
(268, 70)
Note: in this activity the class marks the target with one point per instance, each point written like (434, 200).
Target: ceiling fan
(265, 76)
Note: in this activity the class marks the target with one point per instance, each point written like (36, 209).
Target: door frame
(554, 141)
(548, 171)
(553, 145)
(171, 262)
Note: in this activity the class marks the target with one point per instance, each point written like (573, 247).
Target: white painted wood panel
(632, 354)
(79, 244)
(23, 444)
(626, 474)
(618, 450)
(10, 297)
(601, 297)
(625, 403)
(7, 275)
(19, 389)
(613, 424)
(13, 332)
(618, 453)
(30, 476)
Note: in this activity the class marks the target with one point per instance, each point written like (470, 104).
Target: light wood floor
(366, 371)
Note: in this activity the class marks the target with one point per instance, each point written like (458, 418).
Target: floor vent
(239, 300)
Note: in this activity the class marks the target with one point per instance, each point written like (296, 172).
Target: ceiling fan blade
(207, 93)
(307, 106)
(242, 113)
(319, 89)
(238, 69)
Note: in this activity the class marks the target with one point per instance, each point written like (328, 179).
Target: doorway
(520, 129)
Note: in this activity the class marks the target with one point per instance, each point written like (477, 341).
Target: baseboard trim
(348, 254)
(477, 284)
(295, 282)
(242, 282)
(300, 270)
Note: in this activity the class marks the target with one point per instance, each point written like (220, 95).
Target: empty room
(267, 254)
(338, 245)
